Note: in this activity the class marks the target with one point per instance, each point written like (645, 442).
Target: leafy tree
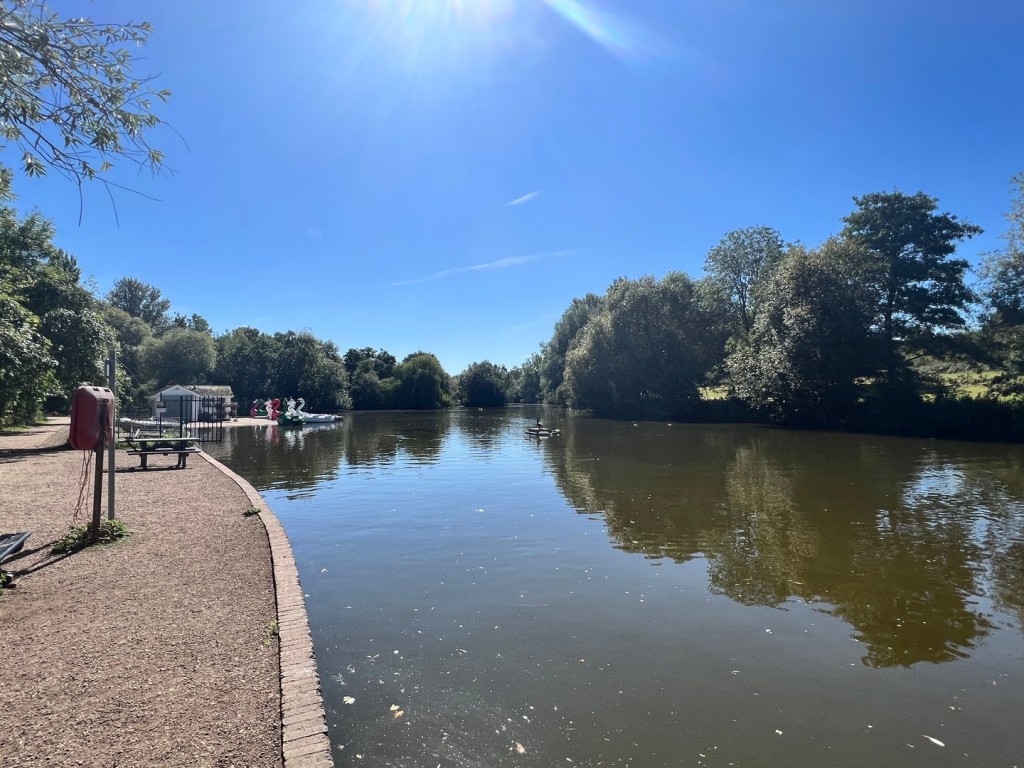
(312, 369)
(379, 362)
(180, 356)
(484, 385)
(1003, 295)
(738, 266)
(922, 290)
(49, 319)
(26, 367)
(525, 381)
(247, 360)
(554, 352)
(368, 390)
(646, 351)
(70, 99)
(70, 318)
(141, 300)
(421, 383)
(813, 337)
(132, 335)
(194, 322)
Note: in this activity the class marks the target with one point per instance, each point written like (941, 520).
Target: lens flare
(609, 31)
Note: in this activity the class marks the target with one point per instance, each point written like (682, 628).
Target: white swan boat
(317, 418)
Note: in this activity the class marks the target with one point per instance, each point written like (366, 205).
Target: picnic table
(147, 446)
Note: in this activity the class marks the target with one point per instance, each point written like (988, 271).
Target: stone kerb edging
(304, 741)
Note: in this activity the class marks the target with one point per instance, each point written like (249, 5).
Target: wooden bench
(181, 452)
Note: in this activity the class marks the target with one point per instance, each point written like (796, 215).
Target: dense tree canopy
(922, 290)
(484, 385)
(141, 300)
(52, 334)
(180, 356)
(813, 337)
(1003, 294)
(738, 267)
(553, 354)
(646, 351)
(421, 383)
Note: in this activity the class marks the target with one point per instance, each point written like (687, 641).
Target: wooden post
(97, 491)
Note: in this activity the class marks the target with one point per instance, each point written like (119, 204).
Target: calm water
(652, 594)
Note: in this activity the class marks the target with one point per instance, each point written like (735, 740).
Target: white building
(194, 402)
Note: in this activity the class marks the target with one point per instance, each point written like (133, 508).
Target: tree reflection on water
(912, 545)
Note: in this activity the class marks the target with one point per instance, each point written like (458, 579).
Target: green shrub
(80, 536)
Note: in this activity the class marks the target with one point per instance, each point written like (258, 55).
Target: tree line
(850, 334)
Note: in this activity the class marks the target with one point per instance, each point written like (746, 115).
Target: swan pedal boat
(321, 418)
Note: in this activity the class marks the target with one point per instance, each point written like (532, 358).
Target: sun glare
(428, 28)
(423, 34)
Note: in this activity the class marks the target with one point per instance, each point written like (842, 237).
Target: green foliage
(311, 368)
(272, 632)
(80, 536)
(524, 381)
(193, 323)
(52, 334)
(421, 383)
(247, 360)
(26, 366)
(180, 356)
(738, 267)
(1003, 296)
(553, 354)
(71, 101)
(250, 511)
(484, 385)
(813, 337)
(646, 351)
(141, 300)
(370, 360)
(922, 290)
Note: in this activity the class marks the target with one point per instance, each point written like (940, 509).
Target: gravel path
(158, 650)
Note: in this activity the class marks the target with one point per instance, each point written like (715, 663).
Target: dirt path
(158, 650)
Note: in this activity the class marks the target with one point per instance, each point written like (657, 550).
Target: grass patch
(714, 393)
(250, 511)
(271, 632)
(80, 536)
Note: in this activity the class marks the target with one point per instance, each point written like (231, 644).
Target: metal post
(112, 385)
(97, 491)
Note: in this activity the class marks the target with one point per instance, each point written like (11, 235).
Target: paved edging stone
(304, 741)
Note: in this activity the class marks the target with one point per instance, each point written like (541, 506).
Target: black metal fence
(199, 417)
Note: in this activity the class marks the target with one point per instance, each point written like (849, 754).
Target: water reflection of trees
(270, 456)
(902, 542)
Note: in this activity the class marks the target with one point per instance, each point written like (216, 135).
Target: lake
(652, 594)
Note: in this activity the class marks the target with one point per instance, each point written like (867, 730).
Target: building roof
(208, 390)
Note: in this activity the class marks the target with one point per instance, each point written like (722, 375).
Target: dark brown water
(653, 594)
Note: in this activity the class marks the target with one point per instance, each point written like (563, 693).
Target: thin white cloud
(506, 263)
(524, 199)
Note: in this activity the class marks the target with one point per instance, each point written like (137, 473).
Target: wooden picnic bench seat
(10, 545)
(181, 453)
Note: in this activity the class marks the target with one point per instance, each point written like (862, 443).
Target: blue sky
(447, 175)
